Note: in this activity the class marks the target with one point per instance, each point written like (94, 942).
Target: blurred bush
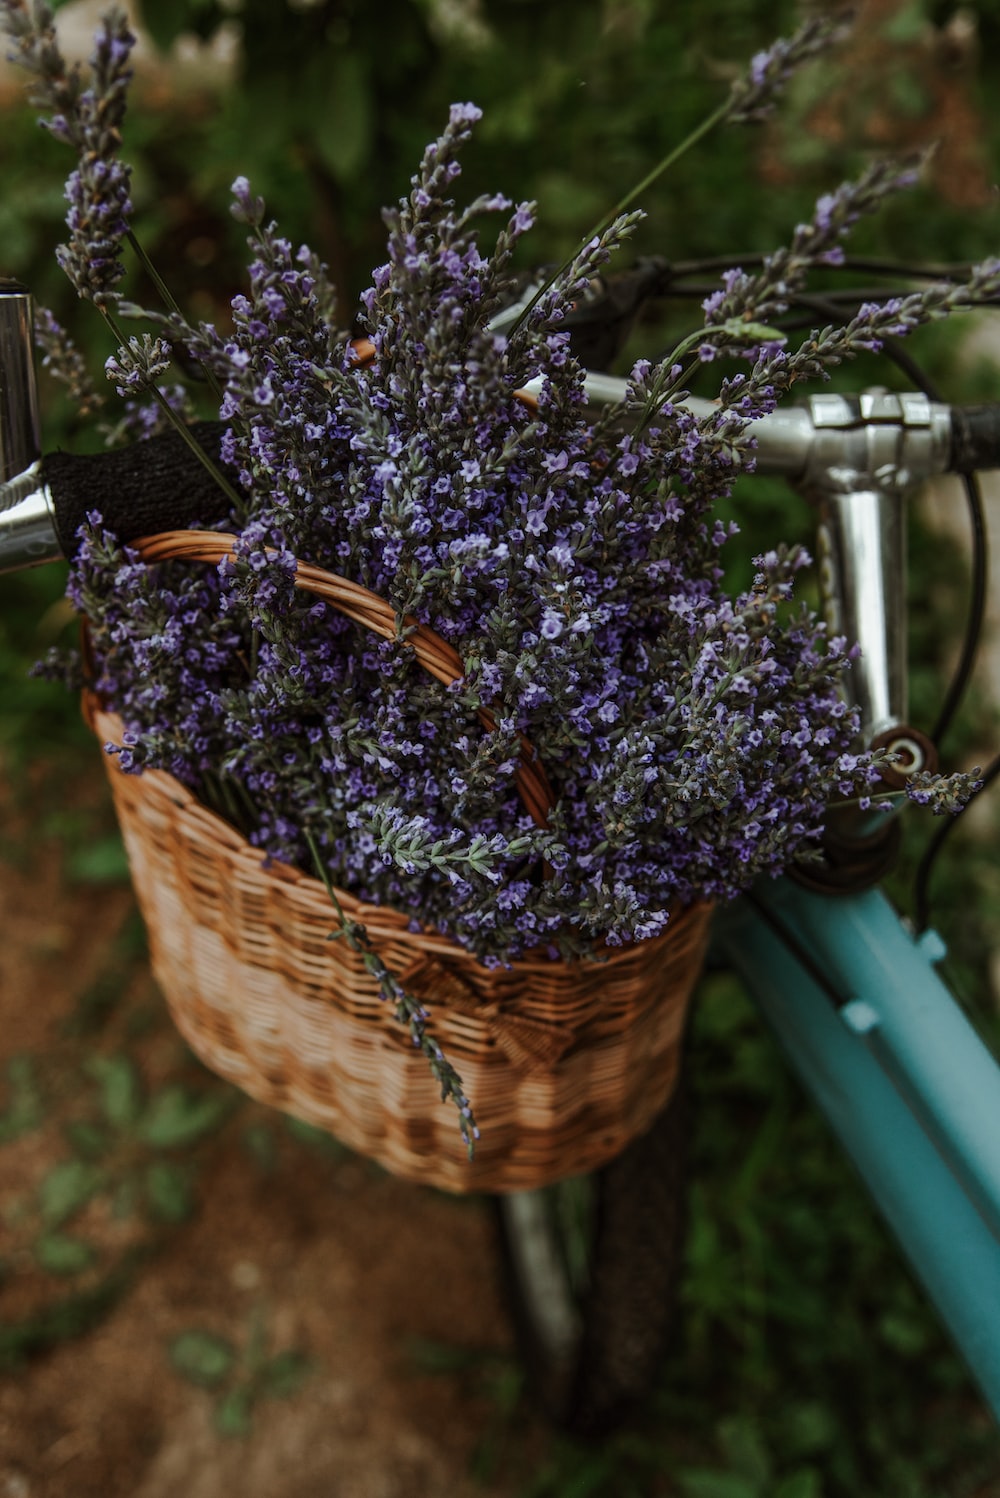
(327, 104)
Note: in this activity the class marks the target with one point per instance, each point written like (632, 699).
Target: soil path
(388, 1291)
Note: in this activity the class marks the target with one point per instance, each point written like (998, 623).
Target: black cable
(871, 265)
(850, 296)
(962, 675)
(977, 610)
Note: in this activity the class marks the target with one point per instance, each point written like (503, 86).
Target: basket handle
(358, 603)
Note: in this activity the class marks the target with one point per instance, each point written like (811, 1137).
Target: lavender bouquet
(692, 740)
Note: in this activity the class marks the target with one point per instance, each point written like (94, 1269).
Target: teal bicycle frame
(904, 1080)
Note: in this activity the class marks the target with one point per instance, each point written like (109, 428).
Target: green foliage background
(808, 1364)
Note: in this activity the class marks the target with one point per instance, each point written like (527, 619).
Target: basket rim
(354, 601)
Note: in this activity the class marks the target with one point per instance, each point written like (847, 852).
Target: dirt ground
(387, 1292)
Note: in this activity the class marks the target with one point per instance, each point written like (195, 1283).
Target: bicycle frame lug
(932, 945)
(859, 1017)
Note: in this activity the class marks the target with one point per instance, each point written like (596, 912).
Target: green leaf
(233, 1412)
(342, 115)
(316, 1139)
(905, 1333)
(261, 1145)
(66, 1188)
(741, 1441)
(906, 24)
(202, 1357)
(176, 1117)
(121, 1093)
(760, 331)
(88, 1140)
(802, 1484)
(169, 1195)
(59, 1254)
(125, 1198)
(24, 1109)
(432, 1356)
(284, 1374)
(909, 96)
(102, 862)
(699, 1483)
(809, 1427)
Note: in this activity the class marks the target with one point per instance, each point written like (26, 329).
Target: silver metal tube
(27, 529)
(28, 534)
(20, 441)
(784, 437)
(862, 560)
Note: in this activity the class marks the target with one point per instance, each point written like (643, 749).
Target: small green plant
(239, 1376)
(129, 1144)
(104, 996)
(24, 1108)
(747, 1469)
(92, 1218)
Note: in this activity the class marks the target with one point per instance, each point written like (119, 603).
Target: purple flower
(89, 120)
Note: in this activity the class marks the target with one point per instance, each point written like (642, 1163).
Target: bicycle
(850, 993)
(591, 1264)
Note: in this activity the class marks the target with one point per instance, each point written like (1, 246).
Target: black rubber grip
(156, 485)
(975, 438)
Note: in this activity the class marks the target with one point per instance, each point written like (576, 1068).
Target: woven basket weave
(565, 1062)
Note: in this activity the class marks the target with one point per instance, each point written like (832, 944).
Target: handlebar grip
(150, 486)
(975, 438)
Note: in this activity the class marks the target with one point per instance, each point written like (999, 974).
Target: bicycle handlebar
(159, 484)
(975, 433)
(147, 487)
(833, 442)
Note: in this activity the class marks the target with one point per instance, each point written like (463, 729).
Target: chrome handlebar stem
(855, 458)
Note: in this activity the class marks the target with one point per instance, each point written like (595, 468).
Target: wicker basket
(564, 1062)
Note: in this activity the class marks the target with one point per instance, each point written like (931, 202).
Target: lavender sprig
(63, 360)
(751, 98)
(89, 120)
(776, 371)
(754, 96)
(817, 243)
(407, 1009)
